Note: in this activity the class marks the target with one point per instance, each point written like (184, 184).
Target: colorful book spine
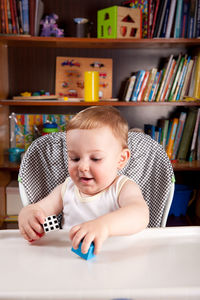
(178, 16)
(170, 144)
(131, 83)
(143, 6)
(168, 80)
(9, 17)
(179, 133)
(139, 79)
(194, 139)
(25, 16)
(187, 135)
(191, 19)
(165, 20)
(197, 78)
(143, 86)
(186, 7)
(149, 83)
(176, 79)
(182, 77)
(198, 19)
(164, 134)
(171, 18)
(160, 77)
(153, 86)
(14, 26)
(158, 97)
(185, 88)
(154, 18)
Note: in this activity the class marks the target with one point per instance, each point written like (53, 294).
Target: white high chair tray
(158, 263)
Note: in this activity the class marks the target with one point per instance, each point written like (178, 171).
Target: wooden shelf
(99, 103)
(68, 42)
(186, 166)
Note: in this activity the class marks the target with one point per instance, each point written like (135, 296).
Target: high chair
(45, 165)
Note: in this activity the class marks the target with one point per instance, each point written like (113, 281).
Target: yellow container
(91, 86)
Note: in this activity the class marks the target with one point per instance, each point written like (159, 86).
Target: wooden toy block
(51, 223)
(88, 255)
(119, 22)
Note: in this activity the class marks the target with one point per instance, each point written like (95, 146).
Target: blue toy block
(88, 255)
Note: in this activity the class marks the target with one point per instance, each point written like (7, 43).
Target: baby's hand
(30, 222)
(88, 232)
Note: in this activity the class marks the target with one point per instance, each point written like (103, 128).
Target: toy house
(119, 22)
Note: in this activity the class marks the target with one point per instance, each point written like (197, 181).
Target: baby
(96, 202)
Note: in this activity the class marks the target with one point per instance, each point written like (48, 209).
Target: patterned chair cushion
(45, 165)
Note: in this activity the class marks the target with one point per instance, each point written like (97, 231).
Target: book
(170, 144)
(165, 20)
(164, 134)
(158, 18)
(176, 79)
(192, 80)
(158, 97)
(154, 17)
(170, 19)
(179, 132)
(191, 19)
(13, 18)
(138, 83)
(6, 15)
(198, 19)
(178, 16)
(130, 86)
(15, 15)
(187, 80)
(194, 138)
(153, 86)
(187, 135)
(32, 16)
(185, 17)
(143, 6)
(149, 83)
(168, 80)
(19, 15)
(39, 10)
(9, 17)
(25, 16)
(160, 77)
(151, 7)
(143, 86)
(150, 130)
(182, 78)
(197, 79)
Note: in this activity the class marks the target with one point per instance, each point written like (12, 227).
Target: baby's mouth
(86, 179)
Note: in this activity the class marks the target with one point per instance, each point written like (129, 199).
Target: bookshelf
(28, 63)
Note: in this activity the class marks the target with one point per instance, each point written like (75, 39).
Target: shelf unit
(28, 63)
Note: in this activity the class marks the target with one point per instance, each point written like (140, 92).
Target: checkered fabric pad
(45, 163)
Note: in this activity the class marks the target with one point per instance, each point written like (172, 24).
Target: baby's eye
(75, 159)
(96, 159)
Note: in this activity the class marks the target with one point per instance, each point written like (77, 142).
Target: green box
(107, 22)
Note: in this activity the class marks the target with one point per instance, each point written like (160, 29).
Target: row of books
(25, 128)
(180, 136)
(178, 79)
(20, 16)
(168, 18)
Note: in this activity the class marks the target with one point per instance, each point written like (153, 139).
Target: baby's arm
(32, 216)
(131, 217)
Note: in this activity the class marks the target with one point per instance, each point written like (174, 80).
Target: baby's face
(94, 156)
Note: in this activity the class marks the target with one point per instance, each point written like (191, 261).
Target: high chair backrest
(45, 165)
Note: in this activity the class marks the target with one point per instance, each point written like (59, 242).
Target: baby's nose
(83, 166)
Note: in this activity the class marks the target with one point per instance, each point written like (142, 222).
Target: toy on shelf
(49, 26)
(119, 22)
(88, 255)
(40, 95)
(82, 27)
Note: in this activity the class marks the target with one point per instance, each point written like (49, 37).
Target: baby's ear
(124, 157)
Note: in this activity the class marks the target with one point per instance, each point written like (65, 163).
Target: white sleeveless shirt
(78, 209)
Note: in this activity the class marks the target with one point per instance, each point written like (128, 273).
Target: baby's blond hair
(99, 116)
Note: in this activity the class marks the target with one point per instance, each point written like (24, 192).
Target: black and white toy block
(51, 223)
